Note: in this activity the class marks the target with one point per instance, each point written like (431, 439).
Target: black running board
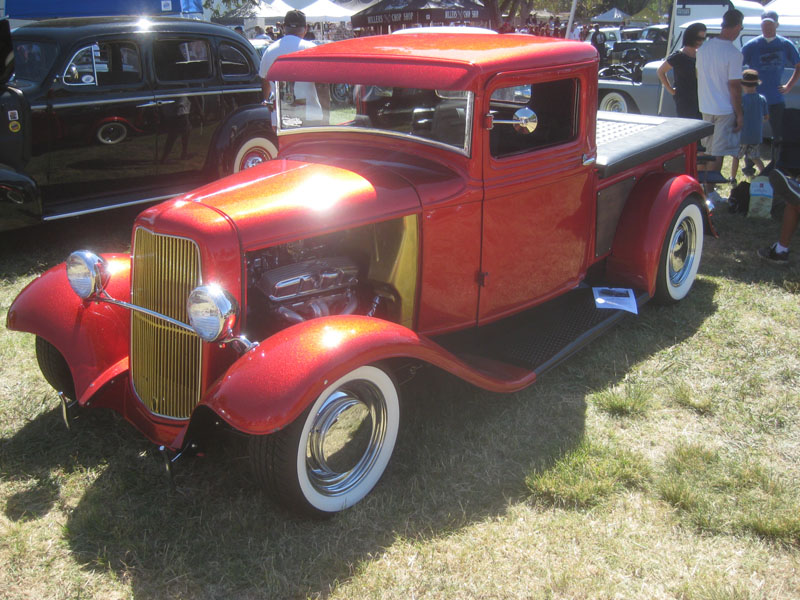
(539, 338)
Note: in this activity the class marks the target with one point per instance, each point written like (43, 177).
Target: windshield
(33, 60)
(439, 117)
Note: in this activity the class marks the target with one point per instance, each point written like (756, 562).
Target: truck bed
(625, 140)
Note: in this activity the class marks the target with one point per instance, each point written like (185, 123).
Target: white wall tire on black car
(680, 253)
(333, 455)
(253, 152)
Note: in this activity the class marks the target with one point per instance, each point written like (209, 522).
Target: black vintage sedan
(112, 111)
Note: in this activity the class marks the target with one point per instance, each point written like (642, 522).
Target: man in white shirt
(719, 88)
(305, 93)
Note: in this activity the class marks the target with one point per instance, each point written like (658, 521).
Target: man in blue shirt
(768, 54)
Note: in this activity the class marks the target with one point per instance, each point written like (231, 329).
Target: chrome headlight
(87, 273)
(212, 312)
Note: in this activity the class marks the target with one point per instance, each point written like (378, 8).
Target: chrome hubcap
(346, 437)
(252, 159)
(682, 252)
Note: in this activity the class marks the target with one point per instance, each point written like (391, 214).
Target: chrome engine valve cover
(310, 278)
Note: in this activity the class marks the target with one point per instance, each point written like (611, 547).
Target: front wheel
(335, 452)
(680, 253)
(617, 102)
(252, 152)
(54, 368)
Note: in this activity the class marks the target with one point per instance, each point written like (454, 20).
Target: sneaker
(770, 254)
(785, 186)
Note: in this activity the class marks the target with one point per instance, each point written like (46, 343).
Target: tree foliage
(220, 7)
(585, 9)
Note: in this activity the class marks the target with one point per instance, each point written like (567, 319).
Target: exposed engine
(302, 280)
(310, 289)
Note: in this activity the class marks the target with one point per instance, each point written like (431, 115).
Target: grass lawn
(660, 462)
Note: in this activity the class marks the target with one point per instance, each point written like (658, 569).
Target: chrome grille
(165, 359)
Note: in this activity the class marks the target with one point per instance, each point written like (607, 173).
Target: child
(755, 112)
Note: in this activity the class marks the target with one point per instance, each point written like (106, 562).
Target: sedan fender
(268, 387)
(91, 336)
(640, 233)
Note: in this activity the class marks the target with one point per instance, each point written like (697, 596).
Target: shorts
(723, 142)
(751, 151)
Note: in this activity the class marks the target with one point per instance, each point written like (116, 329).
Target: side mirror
(6, 52)
(525, 121)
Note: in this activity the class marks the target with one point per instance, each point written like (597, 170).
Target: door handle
(589, 160)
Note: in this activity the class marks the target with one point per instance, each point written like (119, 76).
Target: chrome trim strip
(141, 309)
(57, 105)
(89, 211)
(394, 134)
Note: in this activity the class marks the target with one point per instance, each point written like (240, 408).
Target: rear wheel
(112, 133)
(335, 452)
(680, 253)
(54, 368)
(252, 152)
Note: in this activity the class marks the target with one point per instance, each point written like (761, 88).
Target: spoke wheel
(680, 254)
(336, 451)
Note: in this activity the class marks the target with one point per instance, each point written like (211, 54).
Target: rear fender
(268, 387)
(92, 336)
(246, 123)
(640, 233)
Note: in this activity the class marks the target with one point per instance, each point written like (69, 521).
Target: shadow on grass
(34, 249)
(462, 457)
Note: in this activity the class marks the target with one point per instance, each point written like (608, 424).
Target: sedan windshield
(440, 117)
(33, 60)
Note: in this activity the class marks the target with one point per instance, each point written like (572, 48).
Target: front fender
(640, 233)
(20, 202)
(268, 387)
(92, 336)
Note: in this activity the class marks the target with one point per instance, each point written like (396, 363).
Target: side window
(556, 106)
(80, 70)
(105, 64)
(182, 60)
(232, 61)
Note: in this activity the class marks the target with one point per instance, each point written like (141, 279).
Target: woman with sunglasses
(683, 62)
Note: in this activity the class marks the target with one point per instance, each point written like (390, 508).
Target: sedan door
(102, 136)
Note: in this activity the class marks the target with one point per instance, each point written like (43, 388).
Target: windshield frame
(469, 108)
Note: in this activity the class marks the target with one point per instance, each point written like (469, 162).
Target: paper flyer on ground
(618, 298)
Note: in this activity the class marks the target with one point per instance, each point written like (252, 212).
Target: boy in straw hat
(754, 112)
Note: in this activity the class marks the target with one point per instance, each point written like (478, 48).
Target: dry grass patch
(627, 400)
(723, 494)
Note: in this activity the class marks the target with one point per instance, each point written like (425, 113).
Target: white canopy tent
(315, 10)
(784, 8)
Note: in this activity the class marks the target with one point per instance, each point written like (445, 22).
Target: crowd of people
(709, 83)
(712, 83)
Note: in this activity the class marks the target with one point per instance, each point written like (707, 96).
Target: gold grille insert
(165, 359)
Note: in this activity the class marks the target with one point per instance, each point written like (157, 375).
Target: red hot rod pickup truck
(456, 212)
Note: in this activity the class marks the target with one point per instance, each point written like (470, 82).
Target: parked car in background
(106, 112)
(625, 90)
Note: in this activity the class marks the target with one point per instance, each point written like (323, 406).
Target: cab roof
(432, 61)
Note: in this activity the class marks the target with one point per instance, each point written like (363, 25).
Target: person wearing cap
(306, 94)
(719, 92)
(754, 112)
(768, 54)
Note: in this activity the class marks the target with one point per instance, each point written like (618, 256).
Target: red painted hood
(284, 200)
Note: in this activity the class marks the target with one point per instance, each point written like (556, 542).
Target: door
(102, 131)
(537, 197)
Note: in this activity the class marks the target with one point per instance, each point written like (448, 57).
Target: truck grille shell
(165, 360)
